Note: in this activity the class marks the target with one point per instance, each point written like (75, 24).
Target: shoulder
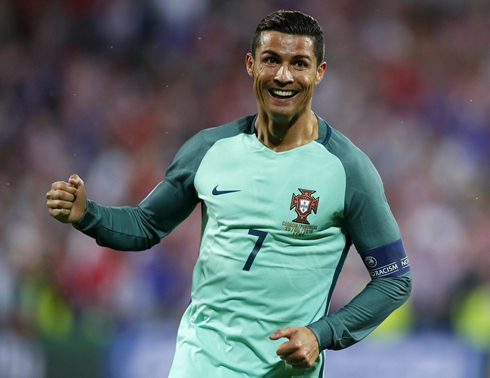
(200, 143)
(367, 214)
(355, 162)
(193, 150)
(211, 135)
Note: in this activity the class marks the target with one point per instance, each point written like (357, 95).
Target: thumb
(76, 181)
(281, 332)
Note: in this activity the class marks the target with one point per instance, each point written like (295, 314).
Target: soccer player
(284, 196)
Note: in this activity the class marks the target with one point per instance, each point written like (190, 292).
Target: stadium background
(111, 89)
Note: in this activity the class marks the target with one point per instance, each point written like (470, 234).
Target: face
(284, 72)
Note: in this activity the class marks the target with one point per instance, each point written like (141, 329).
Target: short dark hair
(291, 22)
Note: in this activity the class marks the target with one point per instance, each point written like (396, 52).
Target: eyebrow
(273, 53)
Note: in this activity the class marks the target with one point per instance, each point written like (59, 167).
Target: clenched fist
(301, 350)
(67, 201)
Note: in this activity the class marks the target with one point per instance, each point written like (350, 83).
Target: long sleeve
(362, 314)
(138, 228)
(372, 228)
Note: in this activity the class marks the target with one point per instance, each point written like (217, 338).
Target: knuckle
(307, 363)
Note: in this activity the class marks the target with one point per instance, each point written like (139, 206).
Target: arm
(370, 224)
(346, 327)
(132, 228)
(122, 228)
(363, 314)
(138, 228)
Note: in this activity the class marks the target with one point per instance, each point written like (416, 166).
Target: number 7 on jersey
(261, 236)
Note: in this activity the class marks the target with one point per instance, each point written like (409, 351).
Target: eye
(270, 60)
(301, 64)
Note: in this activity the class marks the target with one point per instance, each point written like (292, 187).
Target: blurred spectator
(111, 89)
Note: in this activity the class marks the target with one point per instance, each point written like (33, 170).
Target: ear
(320, 71)
(249, 61)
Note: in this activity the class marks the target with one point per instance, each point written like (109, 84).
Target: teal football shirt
(276, 227)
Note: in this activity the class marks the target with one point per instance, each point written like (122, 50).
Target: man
(283, 197)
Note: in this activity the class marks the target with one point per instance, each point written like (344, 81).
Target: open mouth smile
(277, 93)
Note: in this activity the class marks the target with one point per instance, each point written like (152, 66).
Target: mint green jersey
(276, 227)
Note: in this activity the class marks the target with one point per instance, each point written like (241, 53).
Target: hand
(67, 201)
(301, 350)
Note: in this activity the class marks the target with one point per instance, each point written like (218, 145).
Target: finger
(62, 185)
(59, 213)
(60, 194)
(293, 359)
(288, 354)
(75, 180)
(300, 366)
(59, 204)
(281, 332)
(291, 351)
(65, 196)
(285, 350)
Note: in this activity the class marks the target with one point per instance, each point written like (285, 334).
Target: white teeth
(282, 93)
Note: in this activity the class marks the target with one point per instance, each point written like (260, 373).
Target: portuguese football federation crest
(304, 204)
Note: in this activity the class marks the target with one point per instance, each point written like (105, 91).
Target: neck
(286, 134)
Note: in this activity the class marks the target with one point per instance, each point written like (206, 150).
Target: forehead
(286, 44)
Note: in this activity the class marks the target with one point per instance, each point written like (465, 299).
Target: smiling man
(285, 70)
(276, 230)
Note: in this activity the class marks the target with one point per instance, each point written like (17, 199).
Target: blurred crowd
(111, 89)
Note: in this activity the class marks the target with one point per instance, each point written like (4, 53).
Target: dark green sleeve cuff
(323, 332)
(363, 314)
(89, 219)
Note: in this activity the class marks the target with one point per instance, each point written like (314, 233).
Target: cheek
(259, 77)
(308, 85)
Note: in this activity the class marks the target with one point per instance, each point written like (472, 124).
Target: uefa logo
(370, 261)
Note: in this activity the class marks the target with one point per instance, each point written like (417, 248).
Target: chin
(285, 113)
(282, 116)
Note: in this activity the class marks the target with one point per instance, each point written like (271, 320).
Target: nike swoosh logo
(217, 192)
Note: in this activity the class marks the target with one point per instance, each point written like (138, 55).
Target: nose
(283, 75)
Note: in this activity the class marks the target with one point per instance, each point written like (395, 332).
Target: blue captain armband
(390, 260)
